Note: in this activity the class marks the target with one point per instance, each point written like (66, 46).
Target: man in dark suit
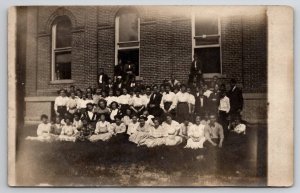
(196, 70)
(102, 78)
(129, 72)
(118, 70)
(201, 103)
(235, 96)
(154, 102)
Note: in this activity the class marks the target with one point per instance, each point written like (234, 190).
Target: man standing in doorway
(196, 70)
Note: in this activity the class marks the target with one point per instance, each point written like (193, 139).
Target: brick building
(160, 39)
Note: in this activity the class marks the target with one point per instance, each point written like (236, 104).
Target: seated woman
(132, 126)
(43, 131)
(56, 127)
(196, 136)
(149, 117)
(68, 132)
(118, 129)
(184, 129)
(127, 117)
(238, 127)
(85, 132)
(114, 107)
(103, 109)
(103, 131)
(77, 123)
(157, 135)
(172, 128)
(237, 134)
(142, 132)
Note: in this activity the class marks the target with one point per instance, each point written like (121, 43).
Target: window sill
(211, 75)
(62, 81)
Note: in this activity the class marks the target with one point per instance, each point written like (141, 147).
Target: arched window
(61, 48)
(127, 38)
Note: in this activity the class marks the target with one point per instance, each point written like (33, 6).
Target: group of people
(196, 114)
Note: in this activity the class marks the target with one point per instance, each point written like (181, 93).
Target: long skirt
(67, 138)
(153, 142)
(47, 137)
(100, 137)
(61, 110)
(182, 112)
(172, 140)
(139, 138)
(195, 143)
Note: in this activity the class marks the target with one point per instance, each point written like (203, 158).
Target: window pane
(207, 40)
(63, 65)
(128, 27)
(132, 56)
(210, 59)
(63, 33)
(205, 25)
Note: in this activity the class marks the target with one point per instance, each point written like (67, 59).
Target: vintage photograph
(141, 96)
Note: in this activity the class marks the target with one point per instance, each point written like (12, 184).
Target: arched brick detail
(60, 12)
(133, 8)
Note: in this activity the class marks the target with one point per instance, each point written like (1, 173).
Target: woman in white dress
(118, 128)
(43, 131)
(184, 129)
(114, 107)
(196, 135)
(132, 126)
(68, 132)
(127, 117)
(157, 135)
(56, 127)
(172, 128)
(142, 132)
(103, 131)
(77, 123)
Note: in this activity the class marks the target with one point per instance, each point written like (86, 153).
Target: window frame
(219, 45)
(117, 42)
(55, 51)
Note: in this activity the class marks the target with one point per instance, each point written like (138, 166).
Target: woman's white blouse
(182, 97)
(102, 127)
(196, 131)
(172, 128)
(43, 128)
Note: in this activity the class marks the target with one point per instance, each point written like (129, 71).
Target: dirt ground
(125, 164)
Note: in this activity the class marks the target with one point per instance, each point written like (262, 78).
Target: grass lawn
(125, 164)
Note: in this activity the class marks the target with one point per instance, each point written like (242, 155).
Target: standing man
(235, 96)
(154, 102)
(118, 70)
(129, 72)
(102, 78)
(201, 103)
(196, 70)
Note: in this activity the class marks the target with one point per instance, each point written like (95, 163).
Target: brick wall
(254, 53)
(165, 47)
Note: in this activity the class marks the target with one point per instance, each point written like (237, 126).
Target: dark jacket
(196, 69)
(94, 119)
(104, 78)
(201, 110)
(236, 100)
(155, 100)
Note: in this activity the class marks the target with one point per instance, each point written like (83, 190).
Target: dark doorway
(133, 56)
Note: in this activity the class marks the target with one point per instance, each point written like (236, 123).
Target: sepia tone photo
(140, 96)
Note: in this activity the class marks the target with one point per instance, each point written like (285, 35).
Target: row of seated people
(142, 130)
